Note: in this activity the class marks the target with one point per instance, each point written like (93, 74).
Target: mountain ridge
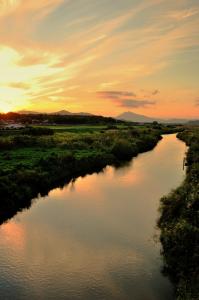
(133, 117)
(125, 116)
(59, 113)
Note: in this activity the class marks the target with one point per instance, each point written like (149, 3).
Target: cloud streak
(155, 92)
(197, 102)
(115, 94)
(134, 103)
(121, 98)
(48, 46)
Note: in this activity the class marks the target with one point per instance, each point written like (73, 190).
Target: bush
(6, 144)
(24, 141)
(122, 149)
(111, 127)
(179, 224)
(38, 131)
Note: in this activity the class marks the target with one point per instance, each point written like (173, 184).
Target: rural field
(36, 158)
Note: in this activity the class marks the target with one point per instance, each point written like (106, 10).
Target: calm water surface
(94, 239)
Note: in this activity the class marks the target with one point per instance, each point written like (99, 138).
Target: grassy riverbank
(34, 160)
(179, 224)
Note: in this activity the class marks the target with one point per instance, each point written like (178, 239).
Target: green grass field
(80, 128)
(39, 158)
(19, 149)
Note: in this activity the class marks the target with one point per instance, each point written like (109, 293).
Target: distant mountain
(83, 114)
(133, 117)
(58, 113)
(61, 113)
(65, 113)
(194, 122)
(27, 112)
(176, 121)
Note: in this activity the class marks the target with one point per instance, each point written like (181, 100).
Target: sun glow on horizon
(15, 99)
(9, 106)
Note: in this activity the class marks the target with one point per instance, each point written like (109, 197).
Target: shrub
(6, 144)
(24, 140)
(38, 131)
(122, 149)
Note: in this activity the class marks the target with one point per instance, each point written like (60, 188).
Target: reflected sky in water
(94, 239)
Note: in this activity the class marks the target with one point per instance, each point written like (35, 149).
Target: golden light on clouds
(58, 54)
(8, 6)
(18, 82)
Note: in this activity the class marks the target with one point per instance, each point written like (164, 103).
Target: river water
(94, 239)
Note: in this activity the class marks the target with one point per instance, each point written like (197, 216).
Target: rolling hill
(58, 113)
(133, 117)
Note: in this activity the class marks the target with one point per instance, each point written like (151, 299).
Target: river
(94, 239)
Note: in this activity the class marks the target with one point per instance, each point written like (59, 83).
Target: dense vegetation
(179, 224)
(35, 159)
(57, 119)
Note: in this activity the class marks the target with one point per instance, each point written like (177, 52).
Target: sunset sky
(100, 56)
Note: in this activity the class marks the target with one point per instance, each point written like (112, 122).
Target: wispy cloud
(25, 79)
(134, 103)
(121, 98)
(183, 14)
(155, 92)
(115, 94)
(55, 50)
(197, 102)
(8, 6)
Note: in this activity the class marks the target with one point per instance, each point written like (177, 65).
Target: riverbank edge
(178, 224)
(20, 192)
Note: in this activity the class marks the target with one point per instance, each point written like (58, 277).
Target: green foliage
(38, 131)
(59, 119)
(179, 224)
(6, 143)
(123, 150)
(34, 161)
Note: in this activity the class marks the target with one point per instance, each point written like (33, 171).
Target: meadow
(36, 159)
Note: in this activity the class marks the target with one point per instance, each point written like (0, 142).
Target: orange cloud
(82, 51)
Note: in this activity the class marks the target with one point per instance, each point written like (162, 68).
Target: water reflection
(94, 238)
